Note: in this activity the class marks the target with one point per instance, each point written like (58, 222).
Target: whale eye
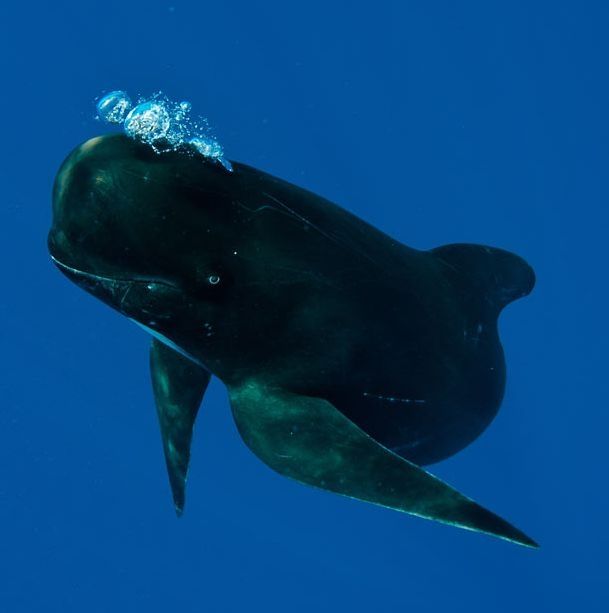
(213, 279)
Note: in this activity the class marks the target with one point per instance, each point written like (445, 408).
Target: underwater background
(437, 122)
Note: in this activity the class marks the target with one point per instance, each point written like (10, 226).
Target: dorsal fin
(495, 275)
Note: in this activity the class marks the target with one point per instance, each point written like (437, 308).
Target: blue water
(436, 121)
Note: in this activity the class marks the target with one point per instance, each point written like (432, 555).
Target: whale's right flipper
(178, 385)
(307, 439)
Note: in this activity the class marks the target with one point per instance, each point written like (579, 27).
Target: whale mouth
(127, 295)
(112, 291)
(76, 274)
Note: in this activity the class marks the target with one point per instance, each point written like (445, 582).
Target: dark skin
(283, 295)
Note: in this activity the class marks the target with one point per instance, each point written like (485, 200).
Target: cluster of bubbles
(162, 124)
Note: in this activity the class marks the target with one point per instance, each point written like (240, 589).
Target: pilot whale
(351, 360)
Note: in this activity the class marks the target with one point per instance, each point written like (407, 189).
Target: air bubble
(148, 122)
(207, 147)
(182, 110)
(162, 124)
(113, 107)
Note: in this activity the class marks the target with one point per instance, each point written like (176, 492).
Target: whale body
(351, 360)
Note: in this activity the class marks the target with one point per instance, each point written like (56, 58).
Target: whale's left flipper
(307, 439)
(178, 385)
